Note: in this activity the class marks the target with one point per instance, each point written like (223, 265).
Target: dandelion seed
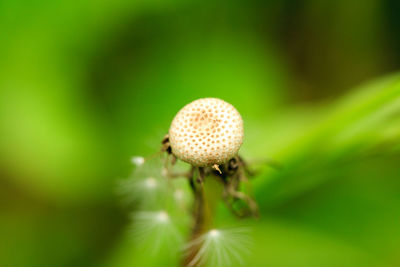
(164, 172)
(145, 186)
(137, 160)
(214, 233)
(220, 247)
(163, 217)
(150, 183)
(155, 229)
(146, 192)
(178, 194)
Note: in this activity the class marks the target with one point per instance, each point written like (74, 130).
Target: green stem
(207, 194)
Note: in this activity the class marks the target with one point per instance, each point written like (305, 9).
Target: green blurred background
(85, 85)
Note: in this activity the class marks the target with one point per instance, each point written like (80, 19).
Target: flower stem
(207, 193)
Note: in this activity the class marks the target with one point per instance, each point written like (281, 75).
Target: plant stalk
(207, 192)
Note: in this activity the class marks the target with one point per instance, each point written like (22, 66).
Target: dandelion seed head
(206, 132)
(137, 160)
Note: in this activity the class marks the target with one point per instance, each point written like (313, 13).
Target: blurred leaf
(352, 129)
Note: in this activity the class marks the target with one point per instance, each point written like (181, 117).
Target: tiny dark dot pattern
(205, 132)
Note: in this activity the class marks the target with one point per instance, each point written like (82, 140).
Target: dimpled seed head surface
(205, 132)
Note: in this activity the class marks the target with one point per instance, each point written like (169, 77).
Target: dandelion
(220, 248)
(207, 133)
